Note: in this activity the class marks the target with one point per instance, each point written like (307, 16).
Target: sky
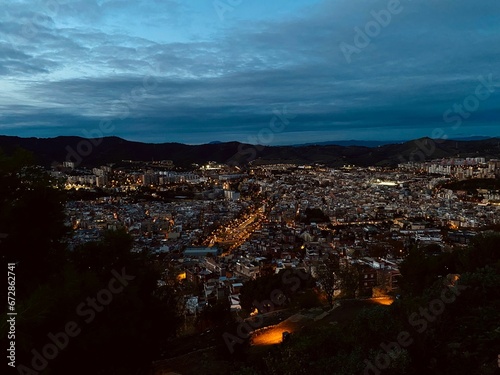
(268, 72)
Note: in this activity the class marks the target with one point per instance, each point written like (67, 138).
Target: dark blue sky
(205, 70)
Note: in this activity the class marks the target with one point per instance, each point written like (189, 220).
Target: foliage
(273, 291)
(463, 338)
(32, 217)
(327, 277)
(315, 215)
(348, 277)
(56, 286)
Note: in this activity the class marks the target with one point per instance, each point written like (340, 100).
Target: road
(235, 234)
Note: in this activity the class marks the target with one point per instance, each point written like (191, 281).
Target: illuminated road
(235, 236)
(370, 222)
(245, 230)
(386, 301)
(273, 334)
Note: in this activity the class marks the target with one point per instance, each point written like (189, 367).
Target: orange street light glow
(386, 301)
(271, 336)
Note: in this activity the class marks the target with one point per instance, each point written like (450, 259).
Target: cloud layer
(167, 71)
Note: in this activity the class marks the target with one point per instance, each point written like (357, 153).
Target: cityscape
(216, 236)
(234, 187)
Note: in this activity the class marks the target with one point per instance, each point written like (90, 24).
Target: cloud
(86, 60)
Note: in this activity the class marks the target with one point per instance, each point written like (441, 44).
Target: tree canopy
(106, 295)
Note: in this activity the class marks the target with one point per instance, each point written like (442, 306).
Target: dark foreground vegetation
(98, 304)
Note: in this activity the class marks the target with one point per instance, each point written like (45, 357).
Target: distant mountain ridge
(354, 142)
(94, 152)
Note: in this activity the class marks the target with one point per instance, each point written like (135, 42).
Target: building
(231, 195)
(199, 252)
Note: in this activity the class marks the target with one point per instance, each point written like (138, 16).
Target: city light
(272, 335)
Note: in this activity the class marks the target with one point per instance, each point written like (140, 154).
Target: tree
(32, 219)
(327, 277)
(315, 215)
(127, 333)
(415, 271)
(55, 286)
(216, 315)
(483, 251)
(111, 252)
(348, 278)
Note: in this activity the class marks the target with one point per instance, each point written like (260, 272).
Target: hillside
(113, 149)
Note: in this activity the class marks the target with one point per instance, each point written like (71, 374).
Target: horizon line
(322, 143)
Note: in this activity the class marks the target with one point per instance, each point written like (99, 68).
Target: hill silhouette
(92, 152)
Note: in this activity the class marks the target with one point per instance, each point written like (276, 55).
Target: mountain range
(354, 142)
(94, 152)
